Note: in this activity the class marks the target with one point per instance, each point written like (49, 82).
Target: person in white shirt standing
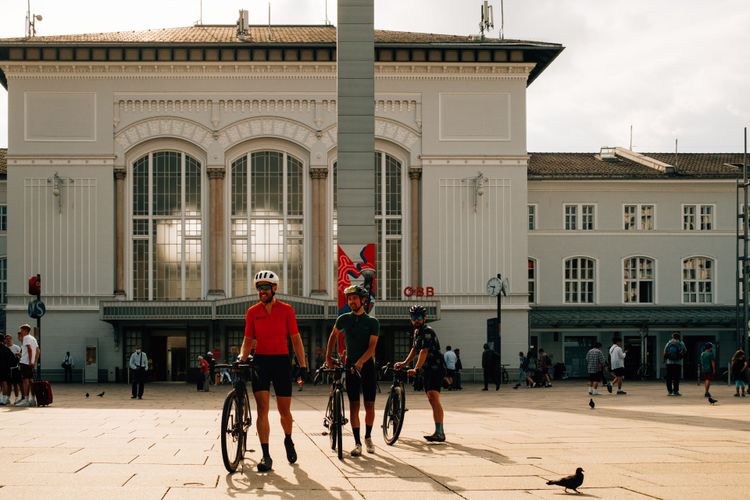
(29, 352)
(617, 363)
(138, 365)
(450, 364)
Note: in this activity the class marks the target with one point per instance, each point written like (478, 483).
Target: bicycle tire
(248, 420)
(338, 414)
(232, 433)
(393, 416)
(328, 422)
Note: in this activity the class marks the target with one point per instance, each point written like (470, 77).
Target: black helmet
(356, 290)
(417, 310)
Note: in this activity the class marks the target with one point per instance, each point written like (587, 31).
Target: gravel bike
(236, 417)
(395, 405)
(335, 417)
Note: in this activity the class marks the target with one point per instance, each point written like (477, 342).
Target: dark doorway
(694, 344)
(158, 358)
(179, 364)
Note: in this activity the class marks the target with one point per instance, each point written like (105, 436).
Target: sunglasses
(263, 286)
(417, 318)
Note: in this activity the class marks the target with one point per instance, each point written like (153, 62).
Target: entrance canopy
(558, 318)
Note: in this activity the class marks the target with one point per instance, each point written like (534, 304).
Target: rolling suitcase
(42, 391)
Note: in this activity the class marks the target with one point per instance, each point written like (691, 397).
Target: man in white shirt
(29, 352)
(15, 373)
(138, 365)
(617, 363)
(450, 364)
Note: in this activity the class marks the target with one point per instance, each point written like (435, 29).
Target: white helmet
(267, 277)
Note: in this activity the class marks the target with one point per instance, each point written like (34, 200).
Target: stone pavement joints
(500, 445)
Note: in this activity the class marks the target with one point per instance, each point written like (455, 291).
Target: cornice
(287, 71)
(497, 160)
(59, 161)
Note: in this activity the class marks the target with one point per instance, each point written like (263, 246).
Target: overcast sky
(670, 68)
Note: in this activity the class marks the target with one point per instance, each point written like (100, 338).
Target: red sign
(419, 291)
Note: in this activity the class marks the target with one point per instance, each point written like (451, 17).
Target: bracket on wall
(478, 182)
(58, 183)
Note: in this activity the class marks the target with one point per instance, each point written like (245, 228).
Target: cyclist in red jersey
(268, 324)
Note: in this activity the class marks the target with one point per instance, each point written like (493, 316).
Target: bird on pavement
(592, 404)
(517, 386)
(87, 394)
(712, 401)
(101, 394)
(570, 482)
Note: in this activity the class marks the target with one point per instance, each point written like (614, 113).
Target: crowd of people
(17, 364)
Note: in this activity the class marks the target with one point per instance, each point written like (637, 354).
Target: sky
(670, 69)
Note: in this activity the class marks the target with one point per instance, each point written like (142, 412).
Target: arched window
(579, 280)
(697, 280)
(167, 229)
(266, 220)
(639, 280)
(388, 221)
(532, 280)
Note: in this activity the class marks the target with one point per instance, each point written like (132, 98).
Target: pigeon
(517, 386)
(570, 482)
(592, 404)
(101, 394)
(712, 401)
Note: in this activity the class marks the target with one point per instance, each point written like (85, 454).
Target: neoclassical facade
(153, 173)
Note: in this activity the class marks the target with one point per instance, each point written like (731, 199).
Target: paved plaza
(504, 444)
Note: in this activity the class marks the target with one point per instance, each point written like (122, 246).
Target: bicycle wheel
(393, 416)
(338, 422)
(329, 422)
(232, 432)
(247, 421)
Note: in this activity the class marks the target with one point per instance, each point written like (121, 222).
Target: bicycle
(236, 417)
(505, 378)
(395, 405)
(335, 418)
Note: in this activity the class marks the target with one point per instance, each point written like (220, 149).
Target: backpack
(525, 364)
(674, 351)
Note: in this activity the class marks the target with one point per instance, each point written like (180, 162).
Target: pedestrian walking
(67, 366)
(544, 364)
(457, 372)
(211, 367)
(138, 366)
(490, 363)
(708, 367)
(674, 352)
(739, 372)
(617, 363)
(595, 365)
(450, 364)
(205, 372)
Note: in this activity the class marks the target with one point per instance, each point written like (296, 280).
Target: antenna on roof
(327, 21)
(631, 137)
(486, 22)
(502, 21)
(200, 17)
(31, 21)
(675, 152)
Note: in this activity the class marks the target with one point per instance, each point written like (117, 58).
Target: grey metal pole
(745, 273)
(499, 328)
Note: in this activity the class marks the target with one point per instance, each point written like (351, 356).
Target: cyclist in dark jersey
(360, 333)
(426, 348)
(268, 323)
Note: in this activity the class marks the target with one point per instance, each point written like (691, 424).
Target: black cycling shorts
(26, 371)
(367, 385)
(433, 379)
(15, 375)
(276, 369)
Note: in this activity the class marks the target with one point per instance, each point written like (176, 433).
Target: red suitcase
(42, 391)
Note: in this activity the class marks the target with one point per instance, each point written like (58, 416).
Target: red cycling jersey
(270, 330)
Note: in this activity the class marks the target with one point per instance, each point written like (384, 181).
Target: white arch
(163, 127)
(267, 126)
(385, 129)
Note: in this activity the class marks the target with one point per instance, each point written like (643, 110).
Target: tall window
(3, 217)
(267, 220)
(697, 217)
(3, 281)
(388, 220)
(167, 247)
(697, 280)
(531, 277)
(639, 280)
(579, 217)
(579, 280)
(532, 217)
(638, 217)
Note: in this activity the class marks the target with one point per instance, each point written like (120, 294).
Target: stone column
(216, 236)
(415, 176)
(319, 275)
(120, 232)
